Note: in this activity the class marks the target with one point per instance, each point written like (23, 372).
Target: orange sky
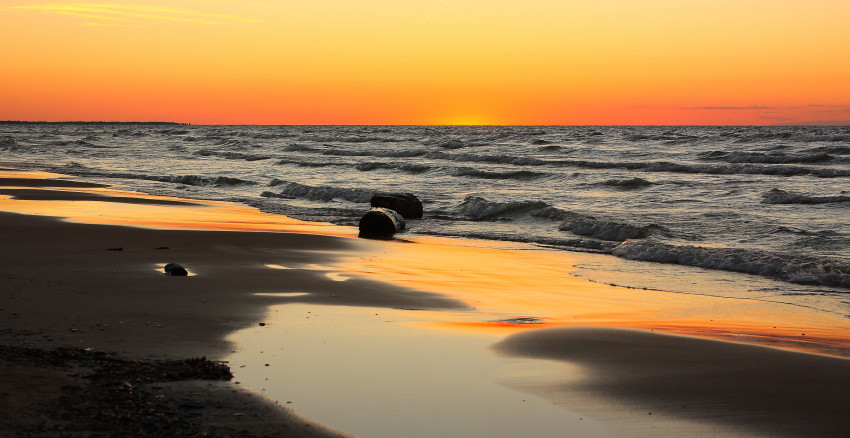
(427, 61)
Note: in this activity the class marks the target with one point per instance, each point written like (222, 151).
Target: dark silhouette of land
(24, 122)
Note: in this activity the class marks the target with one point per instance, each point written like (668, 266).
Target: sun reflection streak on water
(506, 287)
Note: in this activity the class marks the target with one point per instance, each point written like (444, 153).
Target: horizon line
(824, 123)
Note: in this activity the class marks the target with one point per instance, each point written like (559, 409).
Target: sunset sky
(427, 61)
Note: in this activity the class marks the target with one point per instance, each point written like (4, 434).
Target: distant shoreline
(23, 122)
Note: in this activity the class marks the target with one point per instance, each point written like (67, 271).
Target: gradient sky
(427, 61)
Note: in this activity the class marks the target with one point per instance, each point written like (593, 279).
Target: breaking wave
(607, 230)
(319, 193)
(480, 209)
(784, 267)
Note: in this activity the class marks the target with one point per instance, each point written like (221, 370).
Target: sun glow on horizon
(465, 62)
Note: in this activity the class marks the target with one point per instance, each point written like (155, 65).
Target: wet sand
(746, 390)
(101, 287)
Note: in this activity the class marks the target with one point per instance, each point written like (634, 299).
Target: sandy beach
(87, 314)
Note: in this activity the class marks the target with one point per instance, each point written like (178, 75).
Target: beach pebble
(380, 223)
(175, 270)
(405, 204)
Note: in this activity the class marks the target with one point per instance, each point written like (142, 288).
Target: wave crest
(628, 184)
(523, 175)
(776, 196)
(478, 208)
(607, 230)
(407, 167)
(232, 155)
(319, 193)
(764, 158)
(780, 266)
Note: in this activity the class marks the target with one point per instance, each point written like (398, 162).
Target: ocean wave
(8, 143)
(480, 209)
(315, 138)
(232, 155)
(453, 144)
(628, 183)
(550, 148)
(290, 189)
(823, 138)
(808, 233)
(175, 131)
(373, 153)
(779, 169)
(263, 135)
(720, 169)
(495, 159)
(310, 163)
(764, 158)
(776, 196)
(831, 149)
(232, 143)
(299, 147)
(356, 139)
(668, 138)
(381, 153)
(78, 169)
(407, 167)
(583, 245)
(782, 266)
(196, 180)
(607, 230)
(523, 175)
(78, 142)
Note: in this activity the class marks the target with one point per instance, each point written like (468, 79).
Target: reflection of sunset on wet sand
(521, 289)
(100, 205)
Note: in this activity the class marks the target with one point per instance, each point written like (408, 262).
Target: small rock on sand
(175, 270)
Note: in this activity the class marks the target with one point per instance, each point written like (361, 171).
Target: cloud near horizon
(732, 108)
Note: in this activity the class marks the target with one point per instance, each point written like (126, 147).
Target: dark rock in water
(175, 270)
(380, 223)
(406, 204)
